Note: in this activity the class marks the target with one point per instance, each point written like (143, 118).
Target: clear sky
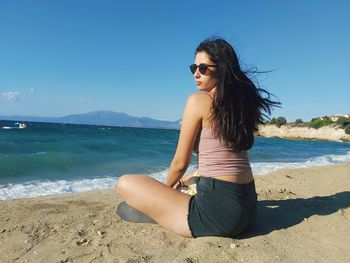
(65, 57)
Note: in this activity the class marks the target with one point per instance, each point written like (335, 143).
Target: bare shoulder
(199, 99)
(201, 103)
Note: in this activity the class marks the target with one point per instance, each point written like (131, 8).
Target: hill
(108, 118)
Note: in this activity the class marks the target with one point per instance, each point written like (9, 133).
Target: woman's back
(215, 159)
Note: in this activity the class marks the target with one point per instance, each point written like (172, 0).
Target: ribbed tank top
(215, 159)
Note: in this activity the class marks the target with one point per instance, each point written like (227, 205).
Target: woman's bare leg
(165, 205)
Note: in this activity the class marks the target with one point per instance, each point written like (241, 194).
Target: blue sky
(64, 57)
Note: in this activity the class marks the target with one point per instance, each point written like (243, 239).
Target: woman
(218, 123)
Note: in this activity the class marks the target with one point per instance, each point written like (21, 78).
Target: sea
(51, 159)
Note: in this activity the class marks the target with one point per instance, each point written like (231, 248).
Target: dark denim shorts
(221, 208)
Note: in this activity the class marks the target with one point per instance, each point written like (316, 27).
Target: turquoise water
(60, 158)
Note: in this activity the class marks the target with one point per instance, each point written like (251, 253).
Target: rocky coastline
(326, 133)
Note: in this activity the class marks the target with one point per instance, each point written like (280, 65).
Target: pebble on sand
(233, 245)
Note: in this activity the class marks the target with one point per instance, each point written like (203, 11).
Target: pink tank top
(215, 159)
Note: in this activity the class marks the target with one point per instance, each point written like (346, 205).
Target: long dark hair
(238, 105)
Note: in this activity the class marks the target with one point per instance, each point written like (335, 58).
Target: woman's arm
(191, 123)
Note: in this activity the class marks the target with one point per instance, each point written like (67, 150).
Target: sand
(304, 216)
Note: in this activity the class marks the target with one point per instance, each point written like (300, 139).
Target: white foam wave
(36, 153)
(42, 188)
(162, 175)
(265, 168)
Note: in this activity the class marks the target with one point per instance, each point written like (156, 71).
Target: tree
(280, 121)
(299, 121)
(343, 121)
(326, 119)
(347, 129)
(320, 122)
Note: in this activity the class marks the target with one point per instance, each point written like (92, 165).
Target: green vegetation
(279, 121)
(347, 129)
(343, 121)
(320, 122)
(316, 123)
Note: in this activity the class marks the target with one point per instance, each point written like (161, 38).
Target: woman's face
(207, 81)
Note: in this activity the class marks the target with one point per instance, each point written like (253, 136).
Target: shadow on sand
(280, 214)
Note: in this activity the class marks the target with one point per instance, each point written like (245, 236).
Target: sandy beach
(304, 216)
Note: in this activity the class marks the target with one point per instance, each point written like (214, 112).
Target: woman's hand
(177, 185)
(180, 183)
(183, 182)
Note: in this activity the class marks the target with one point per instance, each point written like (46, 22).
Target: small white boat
(20, 126)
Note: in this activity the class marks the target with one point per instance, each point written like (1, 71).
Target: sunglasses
(202, 68)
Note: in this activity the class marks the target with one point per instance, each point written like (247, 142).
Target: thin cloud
(31, 90)
(87, 101)
(11, 96)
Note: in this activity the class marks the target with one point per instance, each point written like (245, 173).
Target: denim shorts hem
(189, 216)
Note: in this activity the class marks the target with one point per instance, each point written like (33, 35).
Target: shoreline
(303, 216)
(13, 192)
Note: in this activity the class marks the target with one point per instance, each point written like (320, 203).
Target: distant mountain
(108, 118)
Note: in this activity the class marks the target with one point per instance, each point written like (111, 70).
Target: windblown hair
(238, 105)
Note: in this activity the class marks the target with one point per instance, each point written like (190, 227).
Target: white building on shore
(335, 117)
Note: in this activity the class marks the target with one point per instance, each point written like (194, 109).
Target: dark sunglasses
(202, 68)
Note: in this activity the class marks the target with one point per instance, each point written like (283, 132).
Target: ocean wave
(42, 188)
(263, 168)
(48, 187)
